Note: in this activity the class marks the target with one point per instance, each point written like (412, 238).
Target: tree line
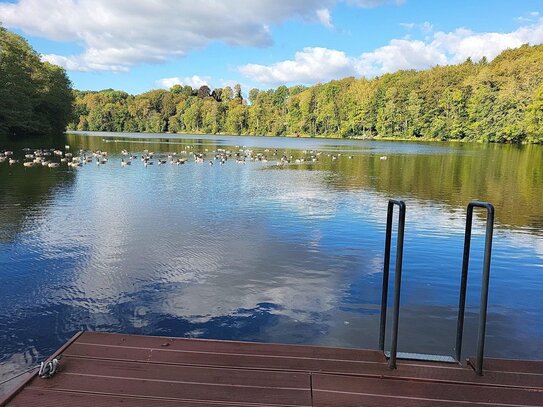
(36, 97)
(498, 101)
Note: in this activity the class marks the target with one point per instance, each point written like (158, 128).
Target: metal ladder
(393, 354)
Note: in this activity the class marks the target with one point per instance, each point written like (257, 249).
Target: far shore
(320, 137)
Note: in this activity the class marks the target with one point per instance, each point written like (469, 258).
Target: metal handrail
(397, 282)
(485, 283)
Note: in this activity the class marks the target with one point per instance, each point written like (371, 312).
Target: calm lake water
(262, 252)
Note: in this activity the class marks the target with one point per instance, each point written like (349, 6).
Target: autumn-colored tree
(496, 101)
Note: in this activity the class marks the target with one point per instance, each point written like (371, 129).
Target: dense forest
(36, 97)
(497, 101)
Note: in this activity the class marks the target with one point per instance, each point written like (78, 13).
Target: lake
(264, 252)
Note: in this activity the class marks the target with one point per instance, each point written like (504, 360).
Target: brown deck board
(233, 347)
(188, 374)
(243, 361)
(334, 399)
(510, 365)
(111, 369)
(173, 389)
(329, 390)
(52, 398)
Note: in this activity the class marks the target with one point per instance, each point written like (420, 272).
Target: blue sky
(140, 45)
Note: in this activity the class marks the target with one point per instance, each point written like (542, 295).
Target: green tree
(210, 116)
(253, 94)
(176, 89)
(534, 117)
(192, 118)
(237, 91)
(227, 94)
(413, 115)
(35, 98)
(308, 105)
(236, 119)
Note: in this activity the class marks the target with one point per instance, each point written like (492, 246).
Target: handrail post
(386, 272)
(463, 284)
(484, 286)
(397, 280)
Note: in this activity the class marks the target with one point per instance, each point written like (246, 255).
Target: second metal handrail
(397, 282)
(485, 283)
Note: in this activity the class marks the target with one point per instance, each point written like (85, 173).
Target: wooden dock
(101, 369)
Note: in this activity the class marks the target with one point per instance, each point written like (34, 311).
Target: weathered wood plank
(510, 365)
(229, 360)
(326, 387)
(187, 374)
(172, 389)
(335, 399)
(52, 398)
(234, 347)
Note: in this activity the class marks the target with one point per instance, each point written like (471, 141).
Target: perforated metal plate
(422, 356)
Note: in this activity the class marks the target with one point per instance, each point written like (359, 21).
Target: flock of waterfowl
(54, 158)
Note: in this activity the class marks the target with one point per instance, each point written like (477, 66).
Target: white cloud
(118, 34)
(167, 83)
(325, 18)
(408, 26)
(528, 18)
(309, 65)
(463, 43)
(320, 64)
(399, 54)
(427, 27)
(194, 81)
(86, 62)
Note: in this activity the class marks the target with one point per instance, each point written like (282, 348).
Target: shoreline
(305, 136)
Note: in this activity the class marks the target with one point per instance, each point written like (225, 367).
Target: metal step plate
(423, 357)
